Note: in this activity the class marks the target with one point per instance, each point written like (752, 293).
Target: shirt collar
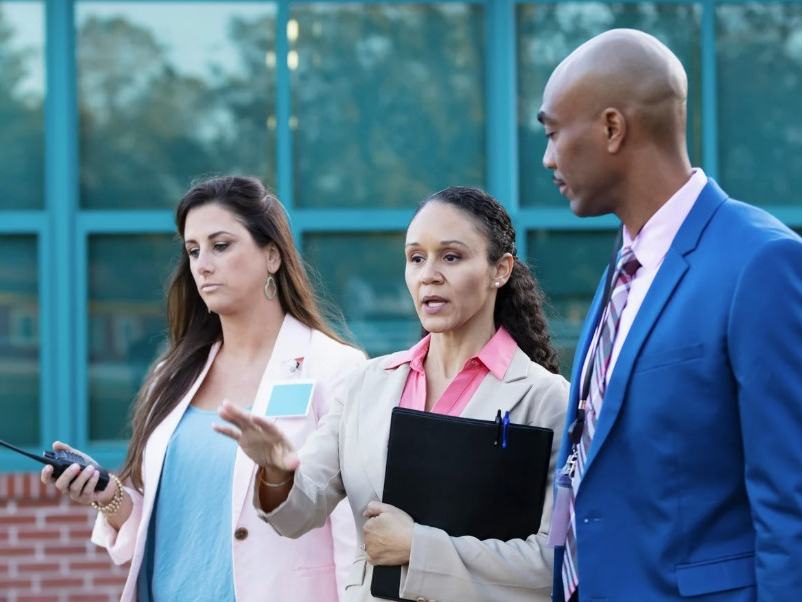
(496, 355)
(413, 356)
(651, 244)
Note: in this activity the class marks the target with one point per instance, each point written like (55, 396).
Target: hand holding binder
(496, 469)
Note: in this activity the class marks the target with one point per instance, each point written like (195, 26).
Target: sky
(194, 33)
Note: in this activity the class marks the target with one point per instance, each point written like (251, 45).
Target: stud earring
(498, 284)
(271, 288)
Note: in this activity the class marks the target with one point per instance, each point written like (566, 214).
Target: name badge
(290, 399)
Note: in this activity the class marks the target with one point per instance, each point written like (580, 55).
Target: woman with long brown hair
(245, 327)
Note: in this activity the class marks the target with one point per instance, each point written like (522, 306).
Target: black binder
(456, 474)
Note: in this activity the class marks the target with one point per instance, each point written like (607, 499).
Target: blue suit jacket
(693, 484)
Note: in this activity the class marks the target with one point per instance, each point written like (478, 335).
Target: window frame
(62, 229)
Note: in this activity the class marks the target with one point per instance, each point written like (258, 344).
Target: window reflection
(364, 274)
(19, 340)
(127, 329)
(547, 33)
(760, 83)
(568, 266)
(169, 92)
(21, 105)
(387, 101)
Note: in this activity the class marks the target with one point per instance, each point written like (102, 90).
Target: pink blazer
(267, 566)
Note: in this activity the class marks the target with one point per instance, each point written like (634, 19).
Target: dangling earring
(270, 287)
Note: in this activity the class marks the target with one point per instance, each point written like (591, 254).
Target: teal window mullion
(127, 222)
(500, 102)
(81, 343)
(284, 171)
(60, 405)
(709, 90)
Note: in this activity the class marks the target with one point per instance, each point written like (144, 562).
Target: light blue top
(189, 554)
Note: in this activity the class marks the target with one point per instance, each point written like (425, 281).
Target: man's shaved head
(631, 71)
(614, 113)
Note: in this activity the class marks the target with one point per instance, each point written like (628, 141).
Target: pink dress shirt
(495, 358)
(650, 246)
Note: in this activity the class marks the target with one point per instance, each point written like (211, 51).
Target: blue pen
(505, 429)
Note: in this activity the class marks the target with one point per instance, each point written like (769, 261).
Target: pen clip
(499, 428)
(505, 429)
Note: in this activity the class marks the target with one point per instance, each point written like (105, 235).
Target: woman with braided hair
(486, 346)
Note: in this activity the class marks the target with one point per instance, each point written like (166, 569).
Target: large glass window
(364, 273)
(568, 266)
(547, 33)
(387, 102)
(170, 91)
(760, 86)
(127, 330)
(19, 340)
(21, 105)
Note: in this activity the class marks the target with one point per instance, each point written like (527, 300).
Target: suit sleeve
(318, 485)
(120, 544)
(453, 569)
(343, 527)
(765, 346)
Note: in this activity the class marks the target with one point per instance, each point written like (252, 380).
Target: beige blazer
(348, 454)
(266, 567)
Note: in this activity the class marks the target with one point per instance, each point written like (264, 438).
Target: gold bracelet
(116, 502)
(275, 485)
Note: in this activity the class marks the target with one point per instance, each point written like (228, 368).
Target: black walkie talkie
(61, 460)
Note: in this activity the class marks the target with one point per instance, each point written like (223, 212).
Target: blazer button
(241, 533)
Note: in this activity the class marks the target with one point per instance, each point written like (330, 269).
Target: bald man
(682, 472)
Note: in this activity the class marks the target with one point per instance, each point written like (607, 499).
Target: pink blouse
(495, 358)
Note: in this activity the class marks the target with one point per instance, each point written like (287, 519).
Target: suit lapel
(660, 292)
(291, 344)
(380, 394)
(493, 395)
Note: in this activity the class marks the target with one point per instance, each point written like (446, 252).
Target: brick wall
(45, 552)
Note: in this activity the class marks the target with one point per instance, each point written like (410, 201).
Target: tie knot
(628, 264)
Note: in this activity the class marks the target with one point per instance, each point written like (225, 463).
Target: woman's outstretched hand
(261, 440)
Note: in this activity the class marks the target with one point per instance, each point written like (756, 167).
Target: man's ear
(615, 129)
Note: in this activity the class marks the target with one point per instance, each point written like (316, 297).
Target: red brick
(37, 598)
(77, 534)
(51, 549)
(71, 518)
(7, 583)
(17, 519)
(29, 503)
(17, 550)
(44, 535)
(101, 564)
(38, 567)
(61, 581)
(109, 580)
(93, 597)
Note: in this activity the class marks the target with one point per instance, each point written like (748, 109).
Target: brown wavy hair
(192, 330)
(519, 303)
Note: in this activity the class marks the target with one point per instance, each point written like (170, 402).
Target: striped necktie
(625, 270)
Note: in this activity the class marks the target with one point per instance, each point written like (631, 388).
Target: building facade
(352, 112)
